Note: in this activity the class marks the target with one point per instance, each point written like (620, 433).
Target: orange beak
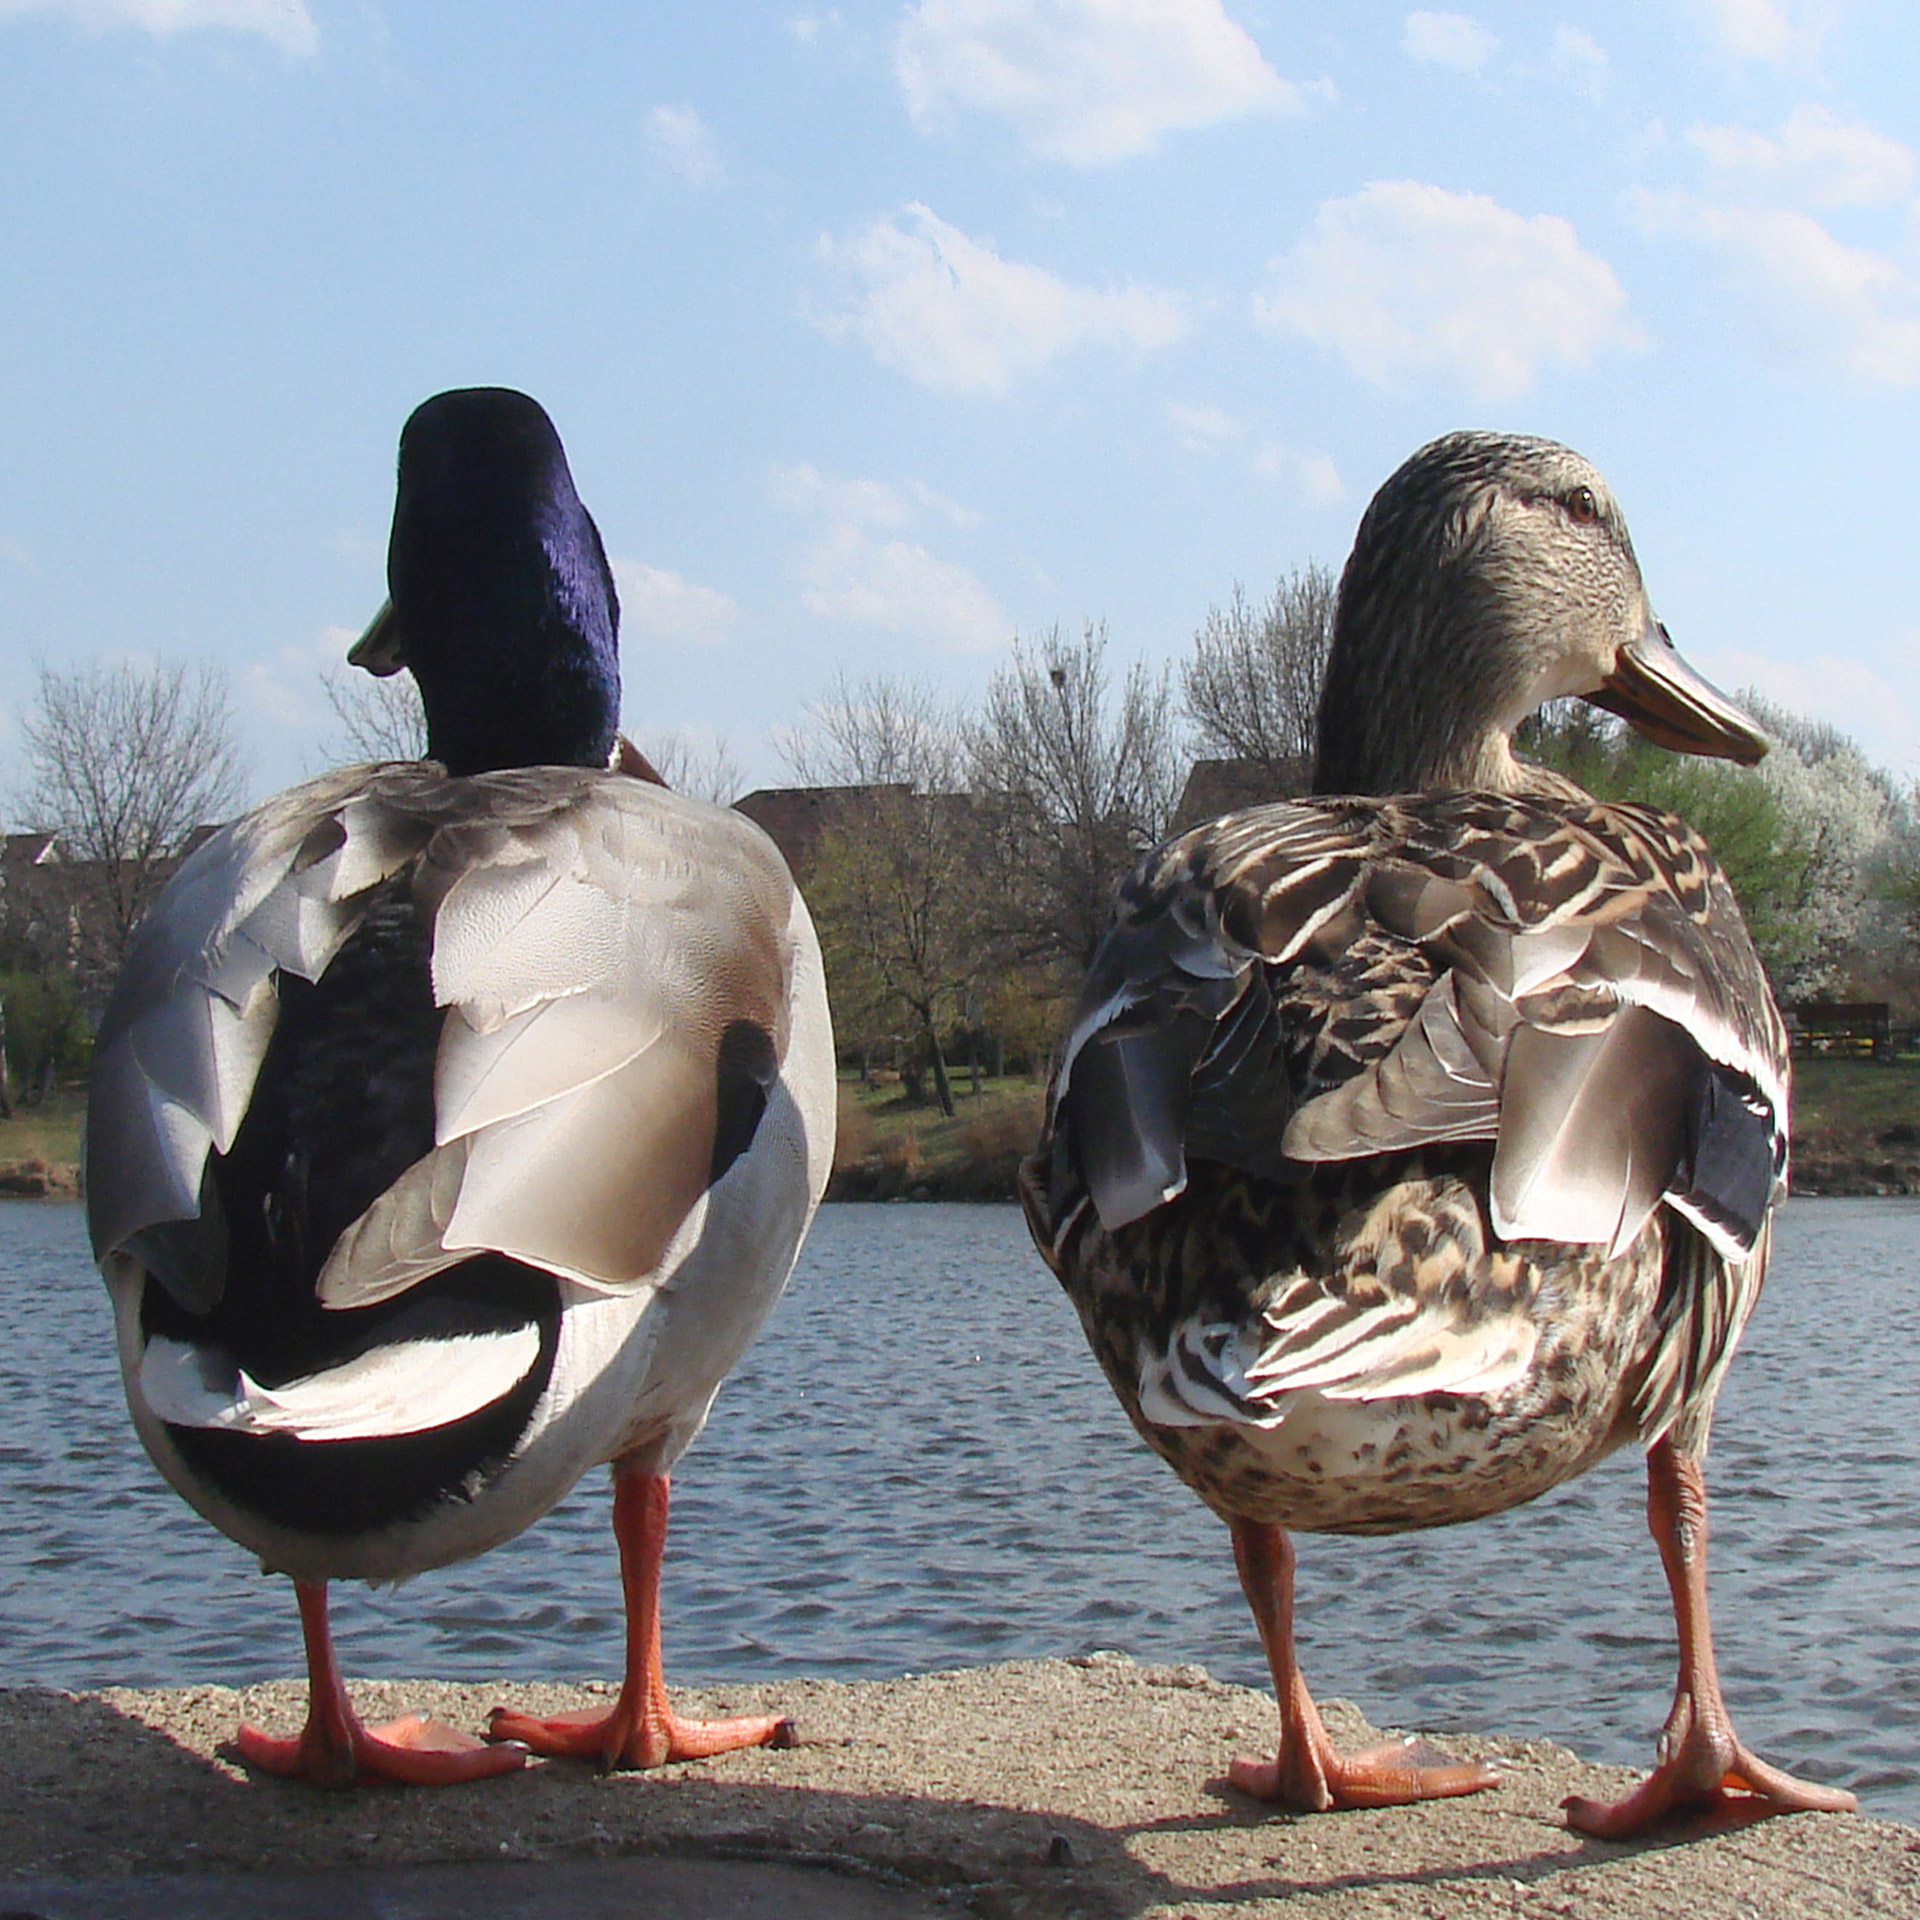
(1660, 696)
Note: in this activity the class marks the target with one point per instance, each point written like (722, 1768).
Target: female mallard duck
(1408, 1155)
(455, 1126)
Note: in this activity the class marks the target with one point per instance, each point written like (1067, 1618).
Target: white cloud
(659, 604)
(286, 685)
(858, 568)
(17, 553)
(285, 22)
(961, 516)
(1202, 429)
(1311, 476)
(805, 489)
(276, 688)
(1810, 295)
(1085, 81)
(681, 141)
(1580, 60)
(1447, 40)
(1773, 31)
(1817, 297)
(1818, 159)
(1410, 282)
(947, 311)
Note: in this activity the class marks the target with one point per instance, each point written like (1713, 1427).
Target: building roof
(794, 818)
(1215, 787)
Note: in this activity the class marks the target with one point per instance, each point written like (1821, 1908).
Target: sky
(881, 334)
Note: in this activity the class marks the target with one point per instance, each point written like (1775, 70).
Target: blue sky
(878, 333)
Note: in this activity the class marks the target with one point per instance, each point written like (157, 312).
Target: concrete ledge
(1043, 1789)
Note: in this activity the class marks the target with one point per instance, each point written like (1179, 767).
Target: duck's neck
(512, 633)
(542, 698)
(1417, 697)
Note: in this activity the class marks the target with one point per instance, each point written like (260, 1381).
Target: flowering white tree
(1840, 808)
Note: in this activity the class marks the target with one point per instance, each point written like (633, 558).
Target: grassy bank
(1856, 1126)
(1856, 1130)
(40, 1146)
(888, 1149)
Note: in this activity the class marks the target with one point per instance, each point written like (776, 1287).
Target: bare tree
(893, 881)
(380, 715)
(692, 766)
(123, 763)
(877, 732)
(1074, 781)
(381, 718)
(1253, 680)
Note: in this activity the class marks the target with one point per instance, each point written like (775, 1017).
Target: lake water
(919, 1466)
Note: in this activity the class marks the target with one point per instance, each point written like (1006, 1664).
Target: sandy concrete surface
(1049, 1788)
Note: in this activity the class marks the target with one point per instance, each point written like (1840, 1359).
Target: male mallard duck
(1408, 1155)
(455, 1126)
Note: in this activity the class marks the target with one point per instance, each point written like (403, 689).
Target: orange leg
(335, 1750)
(1702, 1763)
(1309, 1774)
(642, 1730)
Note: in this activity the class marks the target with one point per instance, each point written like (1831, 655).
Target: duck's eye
(1582, 508)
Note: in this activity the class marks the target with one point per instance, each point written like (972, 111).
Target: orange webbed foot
(622, 1738)
(412, 1750)
(1699, 1780)
(1703, 1767)
(641, 1729)
(1394, 1775)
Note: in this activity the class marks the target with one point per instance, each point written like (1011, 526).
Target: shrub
(46, 1028)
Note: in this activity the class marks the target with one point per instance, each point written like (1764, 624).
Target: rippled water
(919, 1466)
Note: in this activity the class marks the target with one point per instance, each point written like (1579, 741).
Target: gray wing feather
(189, 1020)
(493, 1073)
(1591, 1130)
(595, 939)
(1580, 969)
(592, 959)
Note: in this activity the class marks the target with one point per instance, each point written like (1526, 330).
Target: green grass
(50, 1131)
(888, 1148)
(1842, 1106)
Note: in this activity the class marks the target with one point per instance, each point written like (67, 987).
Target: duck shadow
(1547, 1849)
(97, 1805)
(91, 1796)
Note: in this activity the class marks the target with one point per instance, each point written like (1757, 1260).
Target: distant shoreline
(1853, 1177)
(38, 1179)
(1840, 1179)
(1815, 1177)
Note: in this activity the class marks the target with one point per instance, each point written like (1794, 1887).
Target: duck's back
(403, 1071)
(1471, 1100)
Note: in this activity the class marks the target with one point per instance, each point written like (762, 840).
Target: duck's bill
(379, 649)
(1660, 696)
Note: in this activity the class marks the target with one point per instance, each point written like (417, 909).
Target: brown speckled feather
(1406, 1155)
